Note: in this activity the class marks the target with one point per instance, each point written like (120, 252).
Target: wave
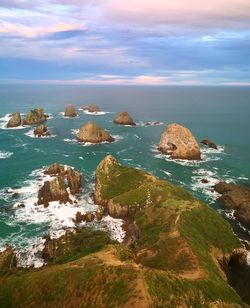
(99, 113)
(5, 155)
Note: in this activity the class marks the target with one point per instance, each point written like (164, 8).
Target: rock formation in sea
(124, 118)
(15, 120)
(91, 132)
(235, 197)
(35, 116)
(209, 144)
(8, 260)
(92, 108)
(55, 169)
(178, 142)
(41, 131)
(74, 180)
(70, 111)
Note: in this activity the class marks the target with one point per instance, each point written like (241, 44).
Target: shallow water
(219, 114)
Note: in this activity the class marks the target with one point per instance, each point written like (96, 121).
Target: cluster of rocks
(33, 117)
(64, 182)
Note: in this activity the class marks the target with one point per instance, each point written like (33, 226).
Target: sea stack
(90, 132)
(41, 131)
(124, 118)
(178, 142)
(35, 116)
(92, 108)
(15, 120)
(70, 111)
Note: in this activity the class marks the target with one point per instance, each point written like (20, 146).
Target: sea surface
(221, 114)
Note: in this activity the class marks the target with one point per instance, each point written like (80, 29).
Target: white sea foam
(149, 123)
(166, 172)
(5, 155)
(98, 113)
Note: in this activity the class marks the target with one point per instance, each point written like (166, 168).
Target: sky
(125, 42)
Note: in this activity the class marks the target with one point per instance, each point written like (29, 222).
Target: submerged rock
(92, 108)
(178, 142)
(124, 119)
(70, 111)
(15, 120)
(90, 132)
(54, 190)
(235, 197)
(41, 131)
(8, 259)
(35, 116)
(209, 144)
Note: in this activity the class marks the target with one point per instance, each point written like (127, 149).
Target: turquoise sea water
(216, 113)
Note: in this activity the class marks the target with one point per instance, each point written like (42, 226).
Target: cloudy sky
(138, 42)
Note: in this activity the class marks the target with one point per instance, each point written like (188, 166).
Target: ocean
(221, 114)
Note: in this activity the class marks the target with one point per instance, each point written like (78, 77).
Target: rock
(41, 131)
(209, 143)
(152, 123)
(238, 257)
(99, 214)
(89, 217)
(8, 259)
(54, 190)
(92, 108)
(74, 180)
(178, 142)
(124, 119)
(90, 132)
(15, 195)
(55, 169)
(70, 111)
(235, 197)
(204, 181)
(15, 120)
(35, 116)
(79, 218)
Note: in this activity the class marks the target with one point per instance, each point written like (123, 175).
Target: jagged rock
(54, 190)
(235, 197)
(74, 180)
(178, 142)
(55, 169)
(89, 217)
(204, 181)
(90, 132)
(99, 214)
(8, 259)
(92, 108)
(79, 218)
(238, 257)
(41, 131)
(209, 144)
(124, 119)
(70, 111)
(35, 116)
(15, 120)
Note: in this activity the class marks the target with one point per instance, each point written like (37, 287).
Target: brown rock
(74, 180)
(70, 111)
(178, 142)
(204, 181)
(55, 169)
(54, 190)
(89, 217)
(41, 131)
(90, 132)
(92, 108)
(99, 214)
(209, 144)
(235, 197)
(124, 119)
(35, 116)
(15, 120)
(8, 259)
(79, 218)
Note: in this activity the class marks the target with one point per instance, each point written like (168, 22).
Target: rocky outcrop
(41, 131)
(8, 260)
(235, 197)
(74, 179)
(209, 144)
(55, 169)
(90, 132)
(35, 116)
(178, 142)
(15, 120)
(124, 119)
(92, 108)
(70, 111)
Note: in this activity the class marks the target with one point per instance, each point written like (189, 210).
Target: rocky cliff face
(35, 116)
(90, 132)
(92, 108)
(41, 131)
(237, 198)
(124, 119)
(178, 142)
(15, 120)
(70, 111)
